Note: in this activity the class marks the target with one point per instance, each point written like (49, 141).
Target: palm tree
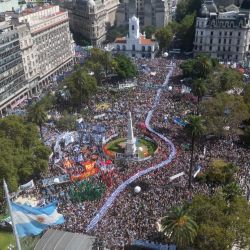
(38, 115)
(203, 66)
(194, 129)
(179, 227)
(199, 89)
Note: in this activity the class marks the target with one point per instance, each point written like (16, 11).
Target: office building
(223, 34)
(91, 18)
(13, 85)
(48, 41)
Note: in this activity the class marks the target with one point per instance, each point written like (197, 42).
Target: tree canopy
(179, 227)
(124, 68)
(22, 154)
(219, 172)
(224, 113)
(164, 37)
(81, 86)
(187, 7)
(37, 115)
(198, 67)
(182, 30)
(220, 224)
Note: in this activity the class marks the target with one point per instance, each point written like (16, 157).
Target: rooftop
(28, 11)
(143, 40)
(60, 240)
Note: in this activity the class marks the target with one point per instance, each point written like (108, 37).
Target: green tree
(231, 191)
(47, 102)
(246, 94)
(186, 32)
(202, 66)
(22, 154)
(124, 67)
(66, 123)
(188, 68)
(221, 225)
(224, 112)
(230, 78)
(187, 7)
(81, 86)
(220, 172)
(164, 37)
(150, 31)
(179, 227)
(199, 67)
(100, 61)
(245, 138)
(199, 89)
(194, 130)
(114, 32)
(38, 115)
(97, 68)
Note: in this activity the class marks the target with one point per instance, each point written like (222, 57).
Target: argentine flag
(33, 220)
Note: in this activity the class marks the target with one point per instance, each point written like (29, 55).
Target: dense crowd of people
(134, 216)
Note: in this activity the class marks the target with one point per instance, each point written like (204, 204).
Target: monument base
(130, 147)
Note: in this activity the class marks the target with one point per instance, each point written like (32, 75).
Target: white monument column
(130, 144)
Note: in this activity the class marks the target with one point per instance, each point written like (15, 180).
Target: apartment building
(35, 45)
(223, 34)
(150, 12)
(46, 42)
(13, 86)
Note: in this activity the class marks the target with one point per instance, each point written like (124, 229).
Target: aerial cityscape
(125, 124)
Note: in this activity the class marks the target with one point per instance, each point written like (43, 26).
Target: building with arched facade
(135, 44)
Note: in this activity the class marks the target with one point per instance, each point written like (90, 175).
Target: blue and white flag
(28, 185)
(33, 220)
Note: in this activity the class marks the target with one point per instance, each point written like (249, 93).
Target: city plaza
(126, 195)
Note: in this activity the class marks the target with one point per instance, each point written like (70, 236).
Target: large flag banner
(33, 220)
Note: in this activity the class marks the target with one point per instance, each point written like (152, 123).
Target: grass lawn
(151, 146)
(6, 238)
(147, 147)
(27, 243)
(116, 145)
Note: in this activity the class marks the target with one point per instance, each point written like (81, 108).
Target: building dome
(91, 3)
(204, 11)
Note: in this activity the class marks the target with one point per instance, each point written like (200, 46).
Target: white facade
(48, 41)
(223, 35)
(29, 55)
(131, 140)
(135, 44)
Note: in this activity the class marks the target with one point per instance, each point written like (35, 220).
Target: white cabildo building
(136, 44)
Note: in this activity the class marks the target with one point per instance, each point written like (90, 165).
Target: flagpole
(18, 245)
